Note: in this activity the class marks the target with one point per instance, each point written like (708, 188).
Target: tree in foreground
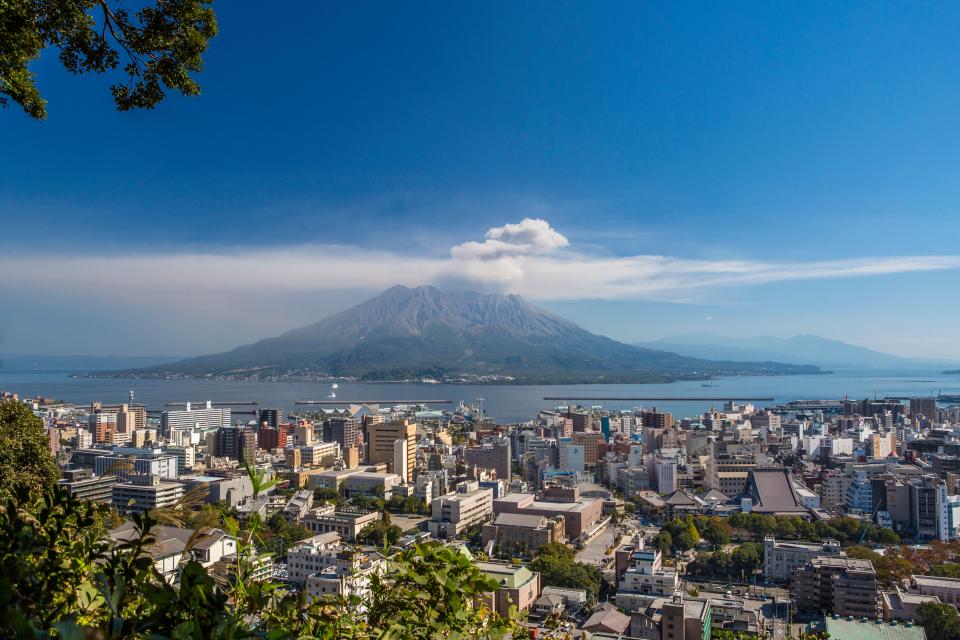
(156, 48)
(25, 461)
(59, 577)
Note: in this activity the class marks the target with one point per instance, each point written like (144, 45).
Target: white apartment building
(125, 463)
(311, 555)
(781, 558)
(190, 418)
(347, 576)
(645, 579)
(455, 513)
(323, 567)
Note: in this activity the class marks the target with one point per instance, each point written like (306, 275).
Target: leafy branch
(162, 45)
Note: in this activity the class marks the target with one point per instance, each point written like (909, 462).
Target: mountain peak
(406, 333)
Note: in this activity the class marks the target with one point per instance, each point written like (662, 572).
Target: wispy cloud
(529, 258)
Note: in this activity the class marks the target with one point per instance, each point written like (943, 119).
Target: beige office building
(380, 446)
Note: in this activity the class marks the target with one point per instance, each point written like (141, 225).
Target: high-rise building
(844, 586)
(727, 469)
(103, 425)
(929, 516)
(926, 407)
(592, 443)
(270, 417)
(343, 430)
(237, 443)
(582, 420)
(570, 456)
(492, 453)
(130, 418)
(781, 559)
(270, 438)
(380, 448)
(656, 420)
(665, 473)
(400, 459)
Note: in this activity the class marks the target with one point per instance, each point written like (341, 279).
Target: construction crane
(872, 515)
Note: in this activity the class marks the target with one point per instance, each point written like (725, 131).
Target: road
(595, 551)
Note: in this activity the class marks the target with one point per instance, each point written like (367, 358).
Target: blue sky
(339, 148)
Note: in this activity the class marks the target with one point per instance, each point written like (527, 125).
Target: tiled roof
(772, 491)
(682, 497)
(608, 620)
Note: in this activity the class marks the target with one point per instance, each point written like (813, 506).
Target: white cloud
(529, 237)
(529, 258)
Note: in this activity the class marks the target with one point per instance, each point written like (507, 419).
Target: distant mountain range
(20, 362)
(414, 334)
(802, 349)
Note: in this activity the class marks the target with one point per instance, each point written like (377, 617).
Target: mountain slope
(415, 333)
(802, 349)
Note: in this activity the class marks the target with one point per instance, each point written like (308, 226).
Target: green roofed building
(518, 585)
(850, 628)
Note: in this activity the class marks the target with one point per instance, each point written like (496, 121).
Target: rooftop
(608, 619)
(937, 581)
(858, 629)
(515, 497)
(850, 563)
(520, 520)
(169, 540)
(579, 505)
(772, 491)
(682, 497)
(507, 575)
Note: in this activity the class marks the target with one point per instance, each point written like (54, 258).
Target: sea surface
(507, 403)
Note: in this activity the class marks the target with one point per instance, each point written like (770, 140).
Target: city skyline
(777, 170)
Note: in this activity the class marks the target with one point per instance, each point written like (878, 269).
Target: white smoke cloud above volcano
(529, 237)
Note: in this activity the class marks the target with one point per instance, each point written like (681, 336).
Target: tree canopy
(152, 50)
(558, 568)
(845, 529)
(940, 621)
(380, 533)
(737, 566)
(25, 459)
(683, 534)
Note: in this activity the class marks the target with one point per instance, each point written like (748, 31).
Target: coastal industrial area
(824, 518)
